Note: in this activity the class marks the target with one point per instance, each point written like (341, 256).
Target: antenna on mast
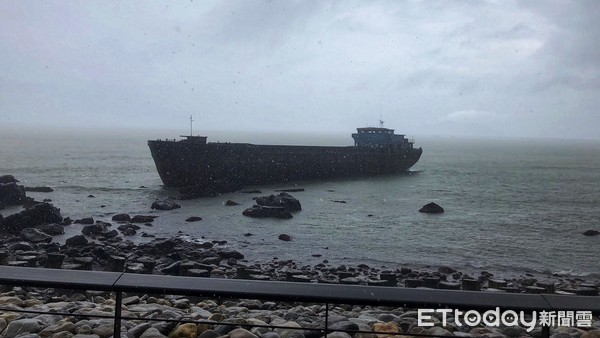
(191, 123)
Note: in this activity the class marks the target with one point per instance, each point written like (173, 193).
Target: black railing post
(545, 331)
(118, 302)
(326, 319)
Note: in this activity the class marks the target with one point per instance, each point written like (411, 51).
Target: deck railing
(326, 294)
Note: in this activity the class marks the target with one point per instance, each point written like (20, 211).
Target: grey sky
(465, 68)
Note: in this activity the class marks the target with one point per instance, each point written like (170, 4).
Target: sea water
(511, 206)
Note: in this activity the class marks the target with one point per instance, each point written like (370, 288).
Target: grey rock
(514, 331)
(209, 334)
(19, 326)
(93, 229)
(35, 236)
(338, 335)
(241, 333)
(121, 218)
(344, 326)
(271, 335)
(431, 208)
(12, 193)
(152, 333)
(77, 240)
(51, 229)
(165, 205)
(8, 179)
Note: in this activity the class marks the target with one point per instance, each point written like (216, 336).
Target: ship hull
(183, 164)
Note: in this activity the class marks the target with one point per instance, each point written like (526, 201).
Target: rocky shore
(27, 239)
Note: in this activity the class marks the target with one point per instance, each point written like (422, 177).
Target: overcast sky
(464, 68)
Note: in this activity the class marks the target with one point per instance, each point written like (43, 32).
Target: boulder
(8, 179)
(94, 229)
(86, 220)
(591, 233)
(193, 219)
(229, 253)
(285, 238)
(231, 203)
(42, 213)
(165, 205)
(51, 229)
(35, 236)
(259, 211)
(77, 240)
(284, 200)
(431, 208)
(11, 193)
(121, 218)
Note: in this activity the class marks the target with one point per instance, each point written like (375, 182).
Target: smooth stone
(438, 331)
(343, 326)
(136, 331)
(187, 330)
(241, 333)
(338, 335)
(209, 334)
(152, 333)
(19, 326)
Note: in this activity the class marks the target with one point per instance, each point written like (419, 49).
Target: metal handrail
(290, 292)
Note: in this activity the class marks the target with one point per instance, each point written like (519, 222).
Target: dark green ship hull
(186, 163)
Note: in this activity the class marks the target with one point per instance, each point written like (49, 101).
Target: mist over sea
(512, 206)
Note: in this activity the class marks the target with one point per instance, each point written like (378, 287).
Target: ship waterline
(192, 161)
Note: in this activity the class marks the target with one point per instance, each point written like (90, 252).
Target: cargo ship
(194, 162)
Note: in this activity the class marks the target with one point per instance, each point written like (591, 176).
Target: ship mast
(191, 123)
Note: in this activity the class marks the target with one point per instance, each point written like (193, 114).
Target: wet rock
(258, 211)
(431, 208)
(128, 229)
(42, 213)
(284, 200)
(23, 246)
(290, 190)
(339, 201)
(8, 179)
(39, 189)
(85, 220)
(231, 203)
(11, 193)
(94, 229)
(143, 219)
(35, 236)
(165, 205)
(591, 233)
(285, 237)
(121, 218)
(230, 253)
(193, 219)
(77, 240)
(51, 229)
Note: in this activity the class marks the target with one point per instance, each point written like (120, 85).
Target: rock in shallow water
(165, 205)
(591, 233)
(431, 208)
